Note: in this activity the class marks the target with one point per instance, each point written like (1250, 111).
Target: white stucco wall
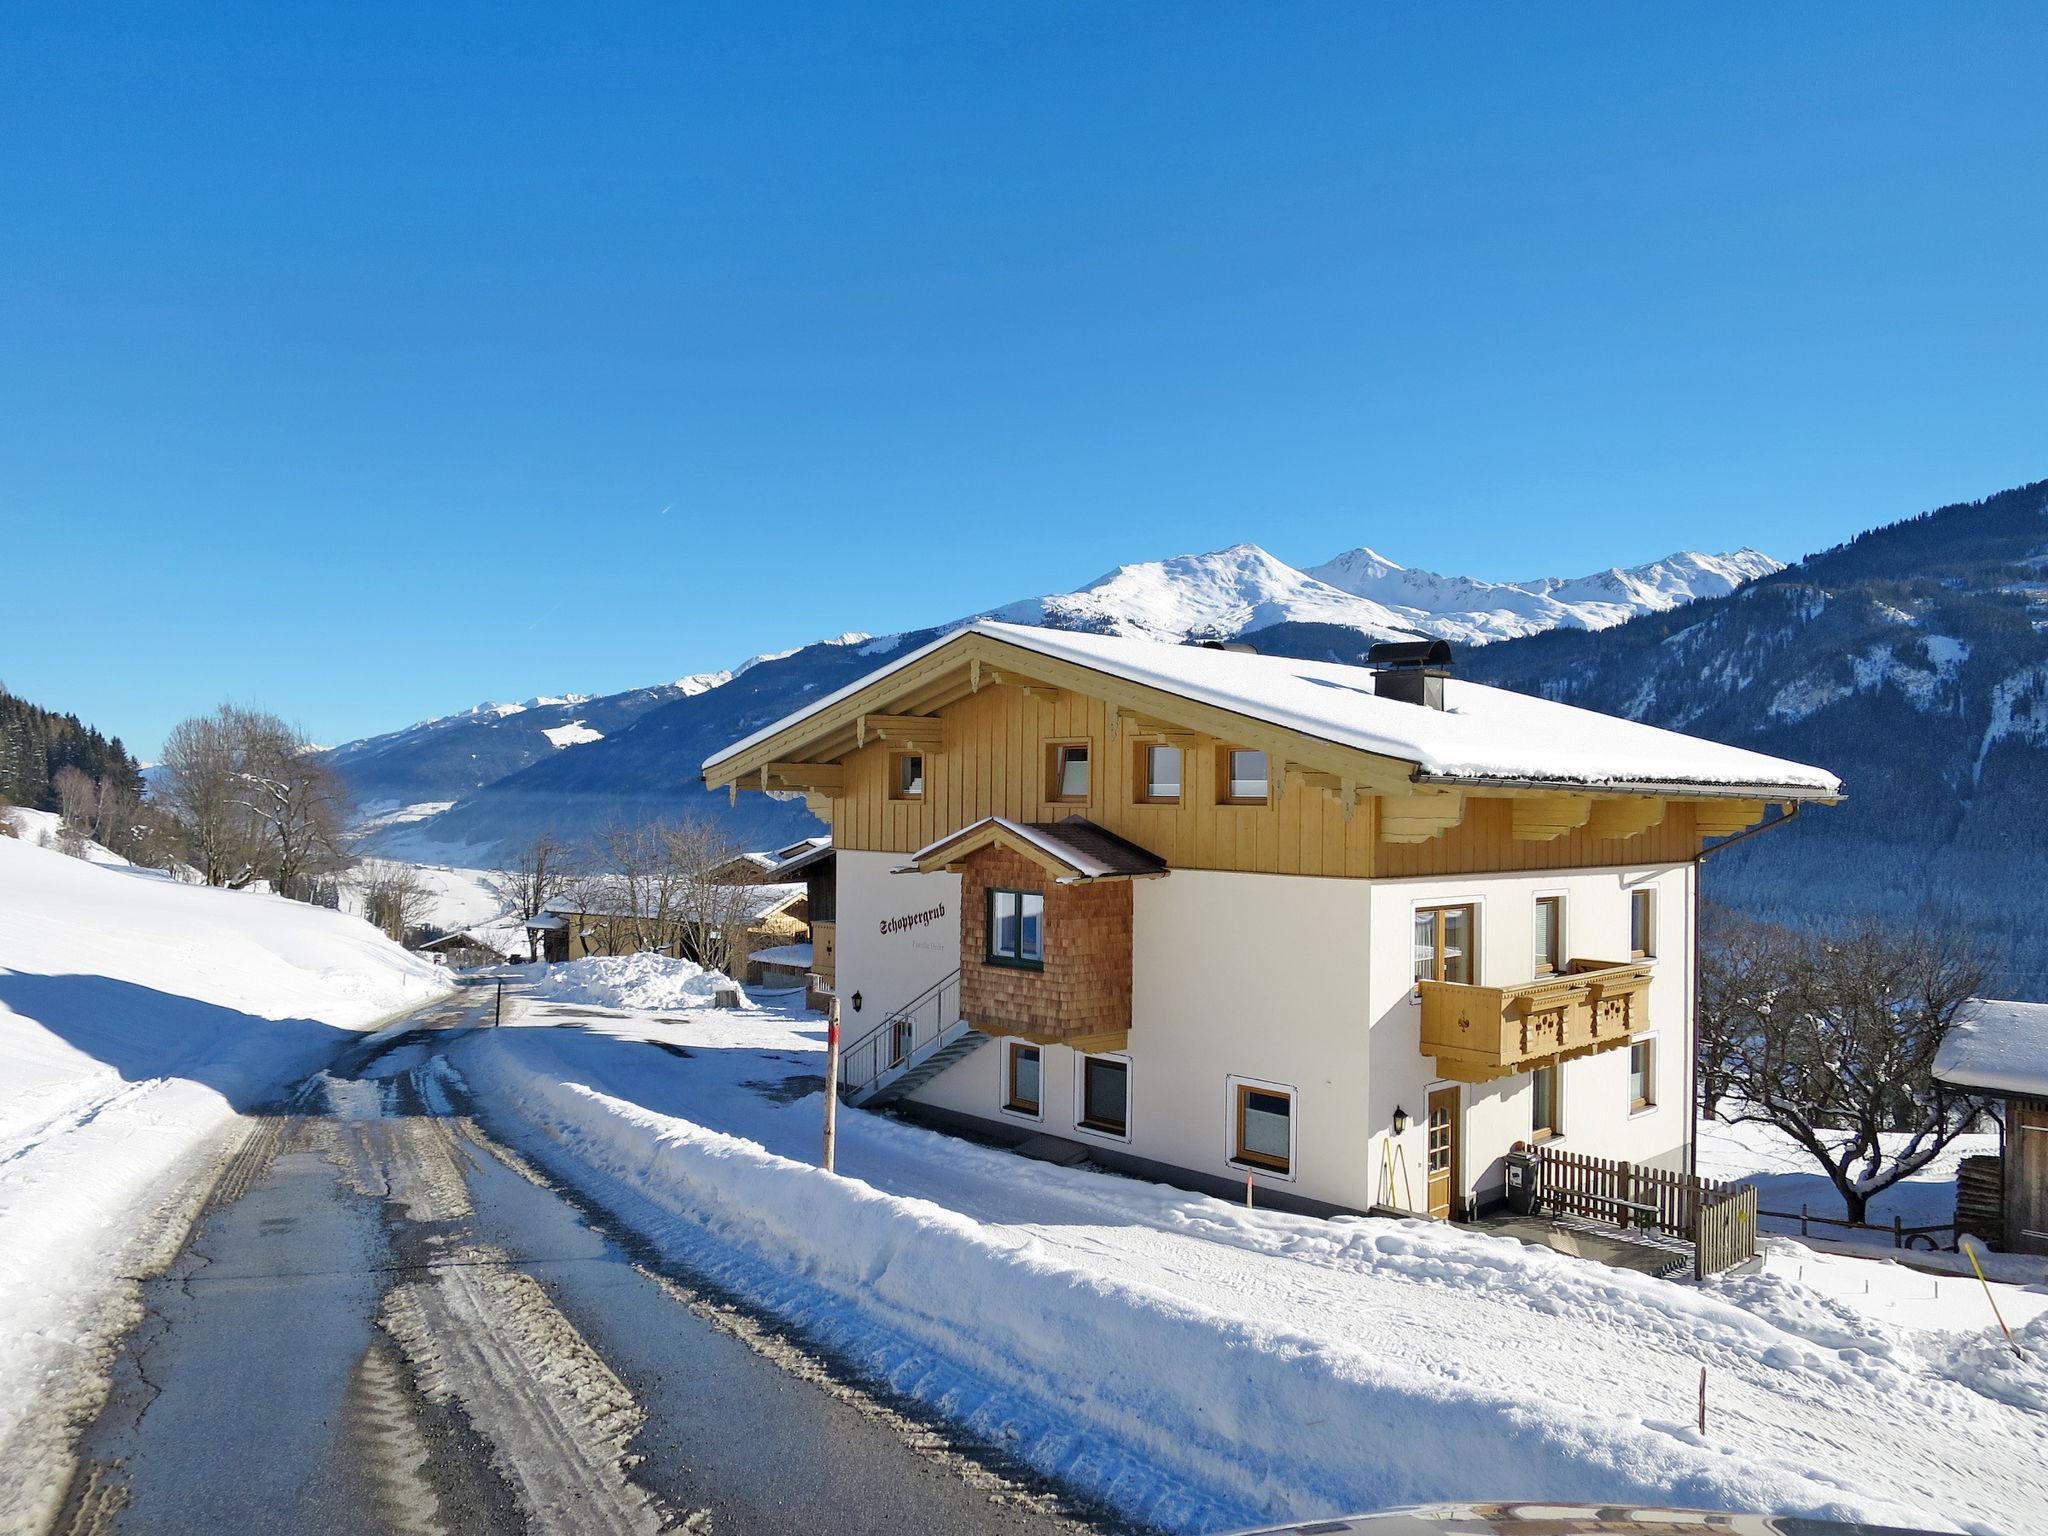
(1305, 984)
(888, 969)
(1255, 977)
(1594, 1101)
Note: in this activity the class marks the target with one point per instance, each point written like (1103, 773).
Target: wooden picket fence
(1719, 1219)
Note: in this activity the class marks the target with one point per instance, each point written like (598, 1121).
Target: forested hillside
(1913, 661)
(37, 744)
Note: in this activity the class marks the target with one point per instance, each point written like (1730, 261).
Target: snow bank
(136, 1015)
(646, 983)
(1204, 1368)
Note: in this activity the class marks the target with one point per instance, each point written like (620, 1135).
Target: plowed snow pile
(639, 983)
(1206, 1367)
(137, 1015)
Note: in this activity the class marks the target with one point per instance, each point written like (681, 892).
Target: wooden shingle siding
(994, 760)
(1083, 993)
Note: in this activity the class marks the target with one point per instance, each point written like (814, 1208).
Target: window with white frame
(1642, 924)
(1642, 1074)
(1262, 1126)
(1545, 1120)
(1548, 935)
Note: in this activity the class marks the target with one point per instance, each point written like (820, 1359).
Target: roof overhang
(1067, 865)
(1668, 788)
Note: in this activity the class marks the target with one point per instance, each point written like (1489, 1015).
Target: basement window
(1021, 1075)
(1067, 772)
(906, 779)
(1105, 1095)
(1262, 1132)
(1016, 929)
(1245, 777)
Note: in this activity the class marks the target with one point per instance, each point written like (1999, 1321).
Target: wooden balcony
(1478, 1034)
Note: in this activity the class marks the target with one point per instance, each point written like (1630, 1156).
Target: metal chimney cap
(1408, 655)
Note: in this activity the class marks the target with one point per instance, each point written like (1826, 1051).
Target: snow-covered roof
(1997, 1046)
(790, 957)
(607, 897)
(1075, 843)
(546, 922)
(1482, 736)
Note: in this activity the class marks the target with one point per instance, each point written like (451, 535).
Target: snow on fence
(1719, 1219)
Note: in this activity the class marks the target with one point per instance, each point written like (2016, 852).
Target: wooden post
(2018, 1353)
(831, 1085)
(499, 1017)
(1703, 1399)
(1247, 1189)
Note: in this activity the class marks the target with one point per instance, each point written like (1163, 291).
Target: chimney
(1412, 671)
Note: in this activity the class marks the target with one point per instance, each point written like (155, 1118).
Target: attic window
(1067, 771)
(1244, 777)
(1159, 774)
(906, 776)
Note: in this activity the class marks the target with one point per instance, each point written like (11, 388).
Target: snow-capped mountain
(1243, 589)
(1475, 612)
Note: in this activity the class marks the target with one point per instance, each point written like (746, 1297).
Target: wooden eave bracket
(825, 778)
(1420, 815)
(925, 732)
(1724, 818)
(1542, 818)
(1627, 816)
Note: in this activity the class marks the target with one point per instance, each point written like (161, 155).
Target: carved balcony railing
(1478, 1034)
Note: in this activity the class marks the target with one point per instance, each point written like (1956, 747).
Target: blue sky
(365, 361)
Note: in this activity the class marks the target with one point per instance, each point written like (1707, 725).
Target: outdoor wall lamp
(856, 1002)
(1400, 1114)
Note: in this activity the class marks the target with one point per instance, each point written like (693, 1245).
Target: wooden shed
(2000, 1050)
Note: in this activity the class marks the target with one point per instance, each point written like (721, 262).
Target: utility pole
(831, 1084)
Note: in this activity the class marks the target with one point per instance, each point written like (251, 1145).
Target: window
(1642, 1074)
(1440, 1143)
(1543, 1117)
(1642, 926)
(1549, 935)
(1264, 1135)
(1106, 1095)
(1016, 929)
(1067, 776)
(1244, 776)
(1443, 944)
(907, 782)
(1021, 1094)
(1159, 774)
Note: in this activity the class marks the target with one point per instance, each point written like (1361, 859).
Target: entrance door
(1443, 1151)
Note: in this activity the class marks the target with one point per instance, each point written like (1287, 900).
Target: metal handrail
(902, 1033)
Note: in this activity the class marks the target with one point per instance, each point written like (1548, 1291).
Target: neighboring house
(767, 864)
(2000, 1050)
(1355, 934)
(600, 918)
(469, 948)
(818, 868)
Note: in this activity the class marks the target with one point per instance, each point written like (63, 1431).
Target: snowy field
(137, 1015)
(1205, 1366)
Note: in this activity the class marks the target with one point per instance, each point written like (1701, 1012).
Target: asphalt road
(384, 1320)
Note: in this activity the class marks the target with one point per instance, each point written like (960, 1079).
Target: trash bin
(1521, 1170)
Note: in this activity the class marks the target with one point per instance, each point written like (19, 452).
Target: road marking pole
(2017, 1351)
(831, 1085)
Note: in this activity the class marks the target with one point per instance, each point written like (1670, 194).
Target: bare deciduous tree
(1831, 1038)
(201, 785)
(711, 912)
(538, 873)
(296, 802)
(395, 899)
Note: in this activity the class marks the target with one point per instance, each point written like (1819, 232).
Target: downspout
(1692, 1061)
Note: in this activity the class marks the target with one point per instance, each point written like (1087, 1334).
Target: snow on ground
(1786, 1177)
(458, 901)
(45, 829)
(136, 1016)
(1203, 1365)
(646, 983)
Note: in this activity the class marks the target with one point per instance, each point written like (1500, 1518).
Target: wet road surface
(385, 1320)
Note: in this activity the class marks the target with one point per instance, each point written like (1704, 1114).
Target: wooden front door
(1442, 1153)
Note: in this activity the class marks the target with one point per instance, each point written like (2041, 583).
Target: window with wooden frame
(1262, 1135)
(1445, 942)
(1066, 772)
(1021, 1079)
(1642, 1074)
(1105, 1095)
(1544, 1118)
(906, 776)
(1016, 929)
(1642, 924)
(1158, 773)
(1243, 776)
(1549, 935)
